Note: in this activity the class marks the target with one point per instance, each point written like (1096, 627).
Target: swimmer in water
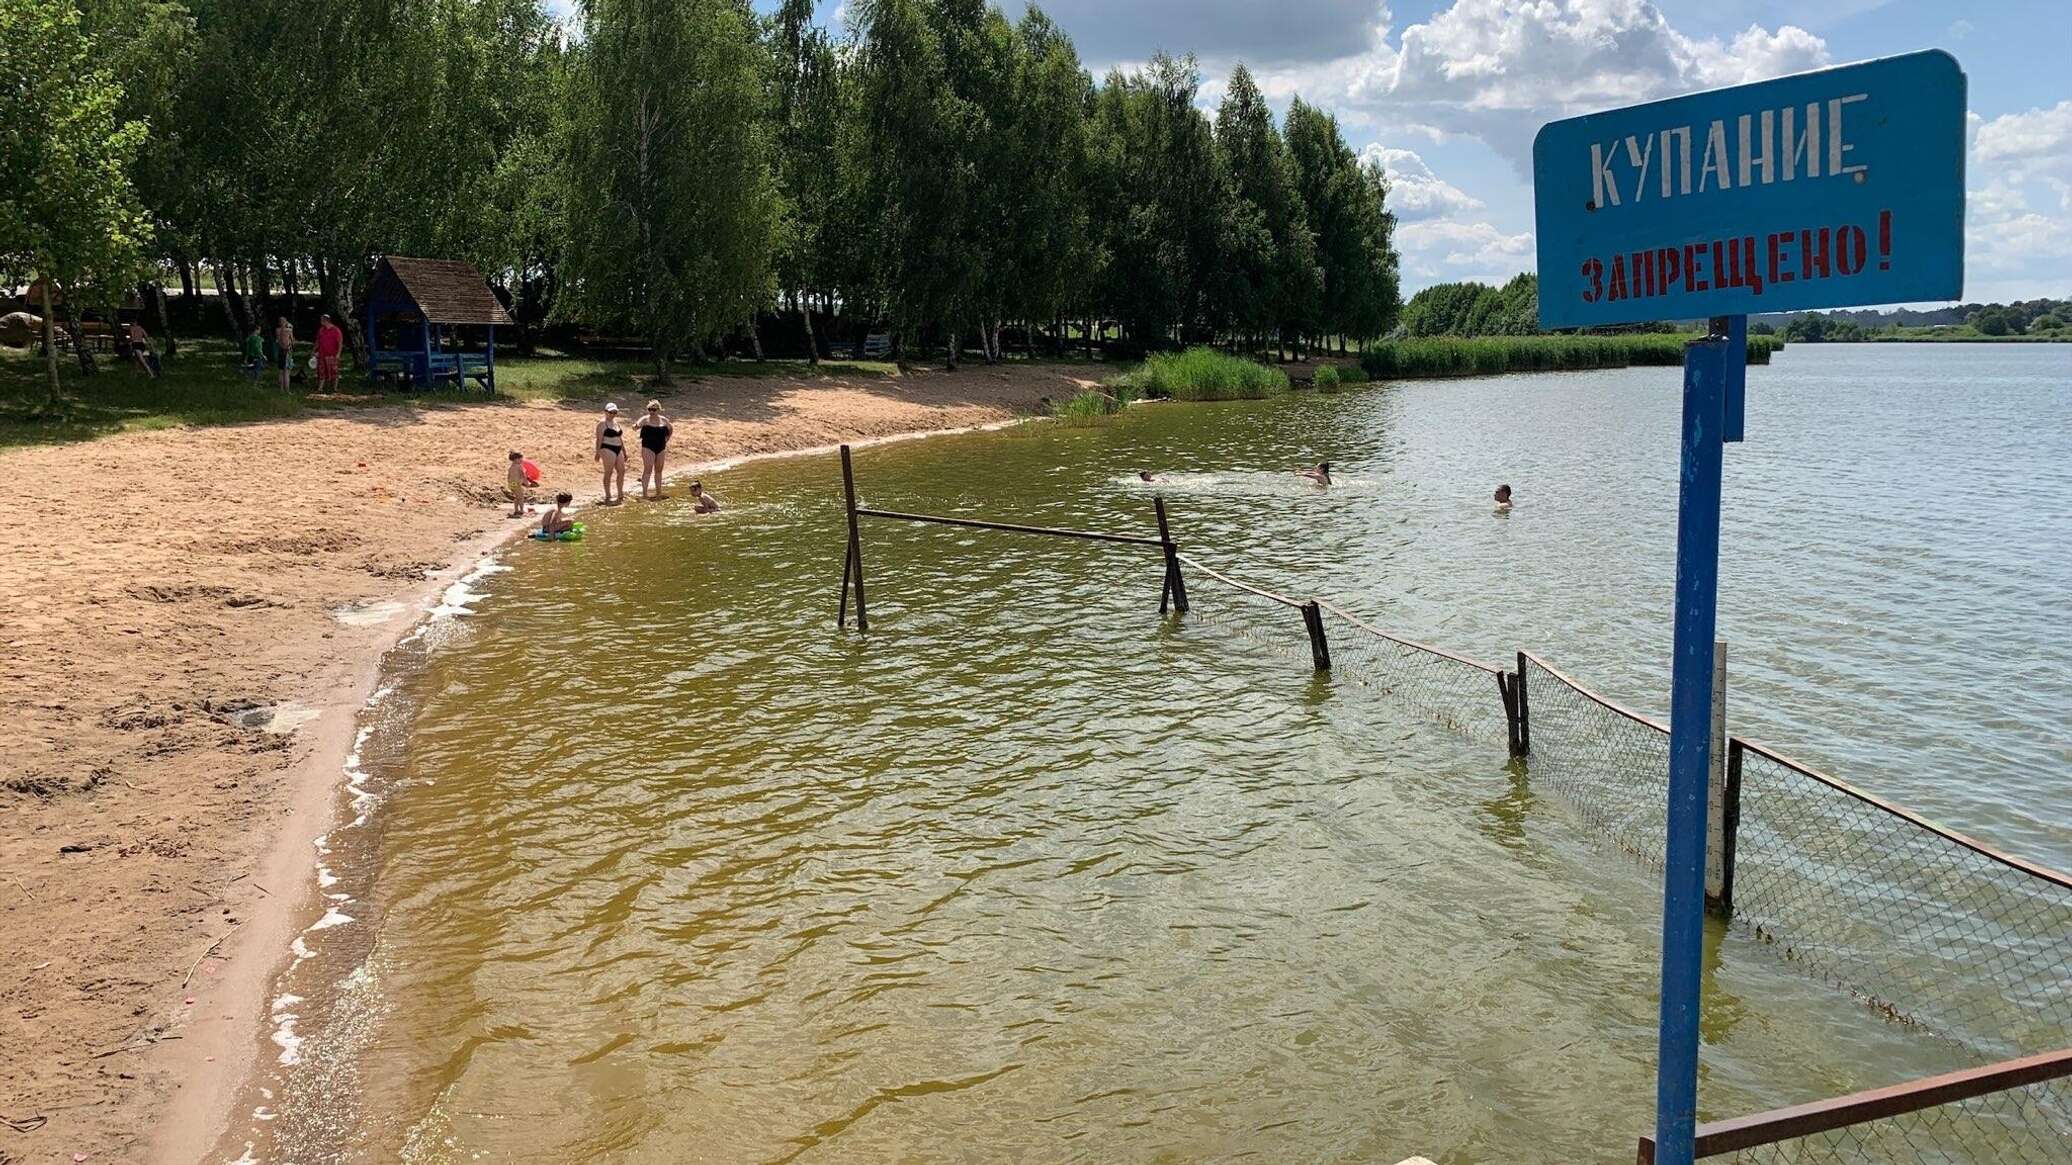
(556, 520)
(1146, 475)
(1503, 499)
(705, 502)
(1321, 474)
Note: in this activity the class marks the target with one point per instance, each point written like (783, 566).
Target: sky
(1449, 93)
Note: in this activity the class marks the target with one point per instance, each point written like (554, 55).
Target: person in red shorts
(330, 341)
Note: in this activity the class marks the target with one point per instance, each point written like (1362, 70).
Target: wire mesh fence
(1258, 616)
(1928, 926)
(2015, 1126)
(1610, 764)
(1455, 690)
(2015, 1112)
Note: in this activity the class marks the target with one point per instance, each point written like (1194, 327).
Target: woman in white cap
(611, 454)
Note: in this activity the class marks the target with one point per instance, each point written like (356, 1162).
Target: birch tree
(68, 212)
(673, 210)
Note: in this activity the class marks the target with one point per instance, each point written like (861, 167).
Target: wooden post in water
(1521, 698)
(854, 563)
(1319, 649)
(1507, 691)
(1723, 816)
(1175, 588)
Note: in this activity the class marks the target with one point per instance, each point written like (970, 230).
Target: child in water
(557, 520)
(704, 502)
(1503, 499)
(1321, 474)
(517, 485)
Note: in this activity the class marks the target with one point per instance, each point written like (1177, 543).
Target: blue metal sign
(1826, 189)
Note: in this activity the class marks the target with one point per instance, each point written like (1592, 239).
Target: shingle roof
(447, 291)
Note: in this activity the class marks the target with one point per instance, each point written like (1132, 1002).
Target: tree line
(673, 171)
(2032, 317)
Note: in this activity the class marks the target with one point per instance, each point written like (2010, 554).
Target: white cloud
(2037, 137)
(1414, 191)
(1498, 69)
(1445, 250)
(2018, 220)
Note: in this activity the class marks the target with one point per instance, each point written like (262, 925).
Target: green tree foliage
(68, 211)
(672, 206)
(1346, 204)
(806, 111)
(1992, 321)
(1476, 309)
(1817, 328)
(1275, 285)
(1165, 204)
(1053, 263)
(675, 167)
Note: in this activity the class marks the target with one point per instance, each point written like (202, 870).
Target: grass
(204, 386)
(1336, 377)
(1089, 405)
(1489, 355)
(1201, 374)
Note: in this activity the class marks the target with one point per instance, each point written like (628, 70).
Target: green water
(655, 864)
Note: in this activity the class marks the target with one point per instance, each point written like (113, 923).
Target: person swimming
(556, 520)
(1321, 474)
(1146, 475)
(1503, 499)
(705, 502)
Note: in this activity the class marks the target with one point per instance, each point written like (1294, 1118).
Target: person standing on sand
(284, 349)
(610, 453)
(330, 342)
(518, 485)
(654, 438)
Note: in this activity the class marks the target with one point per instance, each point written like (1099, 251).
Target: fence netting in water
(1972, 947)
(2026, 1125)
(1458, 692)
(1924, 927)
(1257, 616)
(1609, 764)
(1919, 925)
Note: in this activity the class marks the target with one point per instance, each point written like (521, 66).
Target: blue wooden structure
(415, 308)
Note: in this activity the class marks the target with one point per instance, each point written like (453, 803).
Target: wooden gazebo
(425, 301)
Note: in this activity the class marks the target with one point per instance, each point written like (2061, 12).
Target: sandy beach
(180, 692)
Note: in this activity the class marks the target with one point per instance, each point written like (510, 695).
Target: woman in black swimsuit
(654, 438)
(611, 453)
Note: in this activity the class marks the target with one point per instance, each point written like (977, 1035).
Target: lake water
(655, 864)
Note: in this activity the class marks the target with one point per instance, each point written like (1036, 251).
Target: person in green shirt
(254, 354)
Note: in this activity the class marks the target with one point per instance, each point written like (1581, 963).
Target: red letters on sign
(1750, 261)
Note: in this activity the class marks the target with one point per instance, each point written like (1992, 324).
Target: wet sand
(194, 618)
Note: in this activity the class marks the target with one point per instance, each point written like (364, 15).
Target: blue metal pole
(1735, 329)
(1706, 378)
